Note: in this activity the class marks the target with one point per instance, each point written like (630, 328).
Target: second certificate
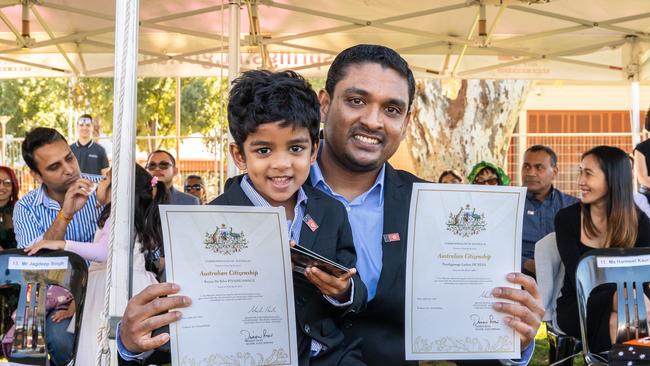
(463, 241)
(234, 263)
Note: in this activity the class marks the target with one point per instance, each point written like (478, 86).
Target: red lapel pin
(310, 222)
(392, 237)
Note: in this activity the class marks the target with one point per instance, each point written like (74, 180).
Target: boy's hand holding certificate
(463, 241)
(234, 264)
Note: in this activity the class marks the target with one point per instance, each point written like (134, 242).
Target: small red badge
(310, 222)
(388, 238)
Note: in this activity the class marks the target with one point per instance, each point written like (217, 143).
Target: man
(194, 186)
(64, 207)
(90, 155)
(543, 201)
(366, 109)
(162, 164)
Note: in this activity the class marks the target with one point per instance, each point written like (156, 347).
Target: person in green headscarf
(488, 173)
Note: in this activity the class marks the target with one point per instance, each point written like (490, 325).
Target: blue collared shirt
(35, 212)
(539, 218)
(366, 215)
(294, 225)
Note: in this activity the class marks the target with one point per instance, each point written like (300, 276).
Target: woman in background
(8, 198)
(488, 174)
(605, 217)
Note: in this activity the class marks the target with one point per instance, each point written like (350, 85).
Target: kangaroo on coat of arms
(224, 241)
(466, 222)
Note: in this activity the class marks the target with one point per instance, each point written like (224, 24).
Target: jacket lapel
(307, 235)
(396, 214)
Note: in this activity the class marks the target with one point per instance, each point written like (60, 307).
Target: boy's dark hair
(194, 176)
(369, 53)
(547, 150)
(36, 138)
(647, 120)
(261, 96)
(164, 152)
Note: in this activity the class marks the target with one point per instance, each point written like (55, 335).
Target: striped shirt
(35, 212)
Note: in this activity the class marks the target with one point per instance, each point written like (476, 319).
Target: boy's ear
(314, 152)
(238, 156)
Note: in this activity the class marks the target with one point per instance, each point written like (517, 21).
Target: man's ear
(37, 177)
(238, 156)
(324, 99)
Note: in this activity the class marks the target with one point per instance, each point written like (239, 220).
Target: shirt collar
(316, 176)
(259, 201)
(551, 194)
(43, 199)
(87, 145)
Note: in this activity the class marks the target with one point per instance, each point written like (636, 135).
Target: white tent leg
(124, 112)
(636, 113)
(233, 63)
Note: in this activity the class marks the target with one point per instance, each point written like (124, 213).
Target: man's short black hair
(36, 138)
(194, 176)
(164, 152)
(369, 53)
(547, 150)
(261, 96)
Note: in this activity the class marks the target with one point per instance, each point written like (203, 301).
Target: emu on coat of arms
(466, 222)
(224, 241)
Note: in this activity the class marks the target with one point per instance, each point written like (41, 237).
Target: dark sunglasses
(195, 187)
(162, 165)
(489, 181)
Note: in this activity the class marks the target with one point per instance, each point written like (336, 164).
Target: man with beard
(365, 108)
(64, 207)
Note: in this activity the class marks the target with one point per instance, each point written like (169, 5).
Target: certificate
(462, 242)
(234, 263)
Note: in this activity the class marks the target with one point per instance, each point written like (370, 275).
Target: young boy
(274, 119)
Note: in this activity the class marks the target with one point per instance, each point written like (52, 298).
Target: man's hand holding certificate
(463, 242)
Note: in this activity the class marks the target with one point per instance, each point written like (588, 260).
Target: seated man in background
(162, 165)
(194, 186)
(543, 201)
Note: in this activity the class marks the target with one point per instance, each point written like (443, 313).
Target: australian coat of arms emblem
(224, 241)
(466, 222)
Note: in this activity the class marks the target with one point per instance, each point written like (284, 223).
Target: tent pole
(233, 63)
(124, 131)
(636, 113)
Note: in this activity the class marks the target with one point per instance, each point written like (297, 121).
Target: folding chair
(629, 269)
(34, 275)
(550, 277)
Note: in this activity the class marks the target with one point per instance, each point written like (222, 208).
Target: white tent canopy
(596, 40)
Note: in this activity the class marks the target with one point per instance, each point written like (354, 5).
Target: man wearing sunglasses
(90, 155)
(162, 164)
(194, 186)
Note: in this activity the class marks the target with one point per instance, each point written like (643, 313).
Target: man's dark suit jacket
(316, 318)
(381, 325)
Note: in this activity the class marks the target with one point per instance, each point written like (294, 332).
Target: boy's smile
(277, 160)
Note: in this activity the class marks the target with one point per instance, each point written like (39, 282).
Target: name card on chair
(633, 261)
(38, 263)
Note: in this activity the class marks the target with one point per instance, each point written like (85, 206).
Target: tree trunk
(458, 133)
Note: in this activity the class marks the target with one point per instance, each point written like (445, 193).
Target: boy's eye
(296, 149)
(263, 150)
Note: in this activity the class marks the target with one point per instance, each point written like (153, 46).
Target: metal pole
(233, 63)
(177, 118)
(4, 120)
(521, 144)
(124, 121)
(636, 113)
